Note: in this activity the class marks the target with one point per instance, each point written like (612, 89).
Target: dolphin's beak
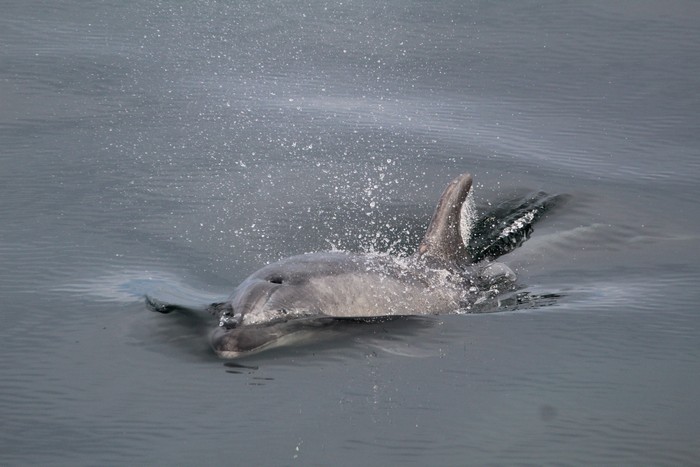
(234, 342)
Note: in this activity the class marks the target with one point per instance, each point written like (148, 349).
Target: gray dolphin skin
(306, 292)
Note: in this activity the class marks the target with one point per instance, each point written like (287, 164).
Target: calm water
(172, 148)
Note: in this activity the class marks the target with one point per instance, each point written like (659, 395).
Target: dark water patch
(503, 226)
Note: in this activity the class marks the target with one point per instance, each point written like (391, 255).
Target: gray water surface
(171, 149)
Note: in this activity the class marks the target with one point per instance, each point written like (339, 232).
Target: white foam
(467, 217)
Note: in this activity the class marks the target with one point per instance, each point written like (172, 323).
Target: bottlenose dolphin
(310, 291)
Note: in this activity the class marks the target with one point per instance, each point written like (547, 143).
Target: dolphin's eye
(275, 280)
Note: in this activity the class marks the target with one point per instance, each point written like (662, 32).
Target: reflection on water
(129, 286)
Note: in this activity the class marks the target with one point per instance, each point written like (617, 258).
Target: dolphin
(304, 293)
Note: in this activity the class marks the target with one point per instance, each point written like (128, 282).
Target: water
(172, 149)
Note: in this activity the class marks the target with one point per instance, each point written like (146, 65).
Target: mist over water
(173, 149)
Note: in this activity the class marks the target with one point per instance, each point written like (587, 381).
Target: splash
(518, 225)
(468, 217)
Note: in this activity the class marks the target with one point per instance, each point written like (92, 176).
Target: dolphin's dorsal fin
(443, 241)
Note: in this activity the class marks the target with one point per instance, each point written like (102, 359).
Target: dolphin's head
(267, 299)
(249, 304)
(264, 311)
